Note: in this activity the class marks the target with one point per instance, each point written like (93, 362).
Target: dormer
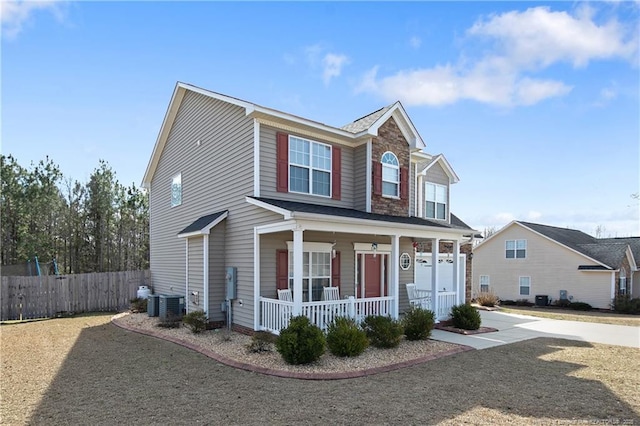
(434, 179)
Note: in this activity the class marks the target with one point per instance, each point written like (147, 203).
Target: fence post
(352, 307)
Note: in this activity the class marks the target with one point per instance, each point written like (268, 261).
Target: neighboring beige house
(524, 260)
(272, 201)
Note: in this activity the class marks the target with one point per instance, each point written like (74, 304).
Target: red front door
(372, 273)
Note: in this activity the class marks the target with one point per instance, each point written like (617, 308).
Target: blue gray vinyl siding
(360, 177)
(268, 173)
(217, 174)
(436, 174)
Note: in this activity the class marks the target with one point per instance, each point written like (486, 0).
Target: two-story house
(274, 201)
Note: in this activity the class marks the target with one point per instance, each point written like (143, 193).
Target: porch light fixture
(374, 247)
(333, 250)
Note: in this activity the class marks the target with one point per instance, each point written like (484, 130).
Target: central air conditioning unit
(153, 305)
(170, 304)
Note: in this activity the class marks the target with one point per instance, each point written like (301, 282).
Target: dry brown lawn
(572, 315)
(84, 370)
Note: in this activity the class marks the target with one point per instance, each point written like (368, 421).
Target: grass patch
(572, 315)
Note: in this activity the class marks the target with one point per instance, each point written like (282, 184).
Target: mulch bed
(448, 326)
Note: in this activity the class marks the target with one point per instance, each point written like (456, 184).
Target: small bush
(262, 341)
(562, 303)
(225, 335)
(465, 317)
(487, 298)
(138, 305)
(383, 332)
(196, 321)
(524, 302)
(626, 305)
(580, 306)
(346, 338)
(507, 302)
(170, 321)
(418, 323)
(301, 342)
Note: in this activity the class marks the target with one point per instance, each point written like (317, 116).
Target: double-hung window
(516, 249)
(525, 286)
(390, 175)
(176, 190)
(484, 283)
(309, 167)
(316, 274)
(436, 205)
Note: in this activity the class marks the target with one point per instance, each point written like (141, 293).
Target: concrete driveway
(515, 328)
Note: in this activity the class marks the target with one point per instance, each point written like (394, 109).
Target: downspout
(205, 267)
(186, 274)
(256, 279)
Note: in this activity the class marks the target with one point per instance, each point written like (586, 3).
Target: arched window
(390, 175)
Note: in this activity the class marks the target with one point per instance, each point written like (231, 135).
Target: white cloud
(522, 44)
(15, 13)
(415, 42)
(332, 66)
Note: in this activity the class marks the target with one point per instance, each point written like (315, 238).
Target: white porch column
(297, 271)
(456, 272)
(205, 267)
(395, 275)
(435, 249)
(256, 279)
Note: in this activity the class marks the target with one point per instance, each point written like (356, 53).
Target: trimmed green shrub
(196, 321)
(580, 306)
(465, 317)
(487, 298)
(507, 302)
(383, 332)
(301, 342)
(262, 341)
(346, 338)
(138, 305)
(418, 323)
(562, 303)
(626, 305)
(524, 302)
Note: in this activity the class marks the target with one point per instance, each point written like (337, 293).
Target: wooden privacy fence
(47, 296)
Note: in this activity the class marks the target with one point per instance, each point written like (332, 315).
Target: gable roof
(295, 206)
(203, 225)
(608, 252)
(361, 128)
(440, 159)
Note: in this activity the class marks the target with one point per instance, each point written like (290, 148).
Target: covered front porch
(365, 262)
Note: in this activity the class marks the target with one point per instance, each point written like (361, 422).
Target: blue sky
(535, 105)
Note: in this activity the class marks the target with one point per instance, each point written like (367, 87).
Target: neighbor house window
(405, 261)
(484, 283)
(436, 207)
(622, 282)
(525, 286)
(316, 272)
(390, 175)
(176, 190)
(309, 167)
(516, 249)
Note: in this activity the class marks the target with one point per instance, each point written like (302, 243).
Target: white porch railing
(275, 314)
(446, 301)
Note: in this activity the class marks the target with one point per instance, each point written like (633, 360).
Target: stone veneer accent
(390, 138)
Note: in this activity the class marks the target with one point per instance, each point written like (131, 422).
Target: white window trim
(405, 256)
(310, 167)
(391, 166)
(435, 211)
(311, 247)
(515, 249)
(520, 286)
(175, 177)
(487, 284)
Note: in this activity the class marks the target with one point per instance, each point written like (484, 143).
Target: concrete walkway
(515, 328)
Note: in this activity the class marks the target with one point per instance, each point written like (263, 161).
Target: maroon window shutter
(336, 172)
(282, 162)
(404, 183)
(377, 178)
(282, 269)
(335, 270)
